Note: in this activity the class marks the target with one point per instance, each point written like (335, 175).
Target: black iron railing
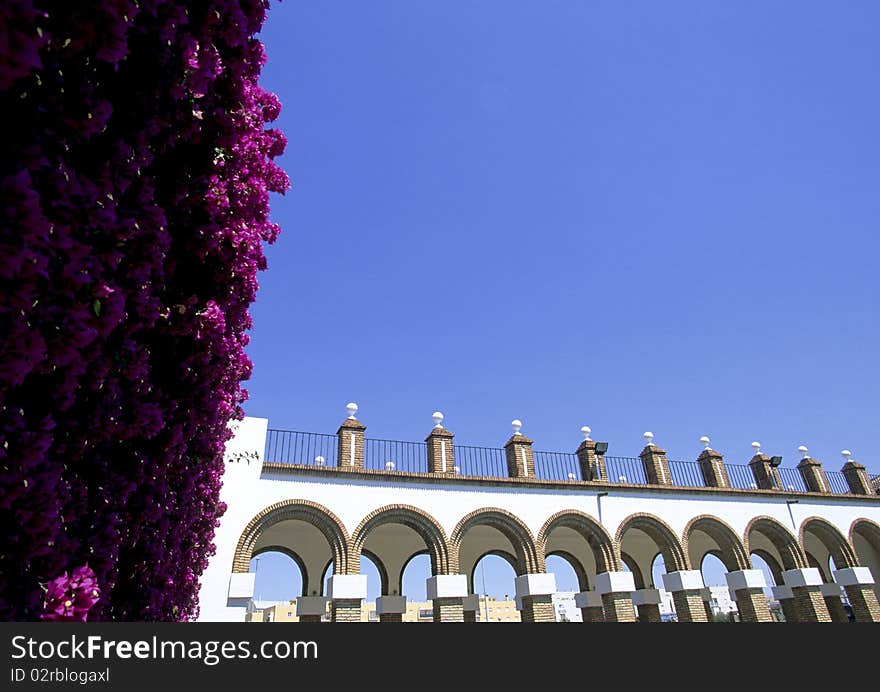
(394, 455)
(319, 449)
(557, 466)
(625, 470)
(686, 474)
(489, 462)
(294, 447)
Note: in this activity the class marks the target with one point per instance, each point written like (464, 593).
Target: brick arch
(772, 563)
(292, 554)
(503, 554)
(405, 565)
(663, 536)
(834, 541)
(576, 565)
(302, 510)
(867, 529)
(529, 561)
(384, 582)
(731, 550)
(591, 530)
(421, 522)
(633, 568)
(783, 539)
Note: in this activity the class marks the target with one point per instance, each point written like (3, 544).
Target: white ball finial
(571, 477)
(649, 438)
(803, 451)
(437, 417)
(352, 409)
(846, 454)
(756, 447)
(456, 469)
(585, 431)
(389, 465)
(516, 424)
(319, 460)
(704, 440)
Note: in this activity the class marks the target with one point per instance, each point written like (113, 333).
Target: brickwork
(809, 605)
(707, 607)
(863, 600)
(345, 610)
(448, 610)
(594, 614)
(752, 606)
(441, 453)
(618, 607)
(310, 618)
(649, 612)
(520, 457)
(857, 478)
(537, 609)
(788, 609)
(470, 616)
(351, 433)
(713, 469)
(814, 475)
(656, 466)
(766, 476)
(689, 606)
(390, 617)
(835, 609)
(592, 465)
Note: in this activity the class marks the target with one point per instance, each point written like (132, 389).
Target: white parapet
(615, 582)
(391, 604)
(241, 584)
(829, 590)
(683, 580)
(311, 605)
(347, 586)
(853, 576)
(647, 597)
(781, 593)
(809, 576)
(447, 586)
(535, 585)
(471, 602)
(746, 579)
(588, 599)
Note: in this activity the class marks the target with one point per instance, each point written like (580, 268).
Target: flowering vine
(134, 186)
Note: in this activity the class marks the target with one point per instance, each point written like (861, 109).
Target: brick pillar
(806, 589)
(713, 469)
(448, 610)
(859, 586)
(310, 608)
(857, 478)
(784, 595)
(686, 587)
(592, 465)
(831, 596)
(441, 455)
(448, 591)
(537, 609)
(535, 592)
(590, 604)
(391, 608)
(345, 610)
(616, 589)
(706, 595)
(520, 458)
(471, 605)
(351, 443)
(648, 603)
(766, 476)
(346, 592)
(748, 587)
(813, 475)
(656, 466)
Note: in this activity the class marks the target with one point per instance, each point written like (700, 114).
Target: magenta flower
(69, 599)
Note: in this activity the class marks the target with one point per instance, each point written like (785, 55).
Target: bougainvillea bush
(135, 176)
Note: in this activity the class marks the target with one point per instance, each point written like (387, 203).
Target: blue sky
(637, 216)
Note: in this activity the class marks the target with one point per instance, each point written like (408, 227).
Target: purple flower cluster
(69, 599)
(134, 184)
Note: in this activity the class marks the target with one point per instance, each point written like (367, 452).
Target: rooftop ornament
(437, 417)
(516, 424)
(649, 438)
(585, 431)
(704, 440)
(352, 409)
(803, 452)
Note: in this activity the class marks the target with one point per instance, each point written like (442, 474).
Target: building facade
(328, 499)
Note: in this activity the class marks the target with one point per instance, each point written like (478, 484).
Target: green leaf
(96, 307)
